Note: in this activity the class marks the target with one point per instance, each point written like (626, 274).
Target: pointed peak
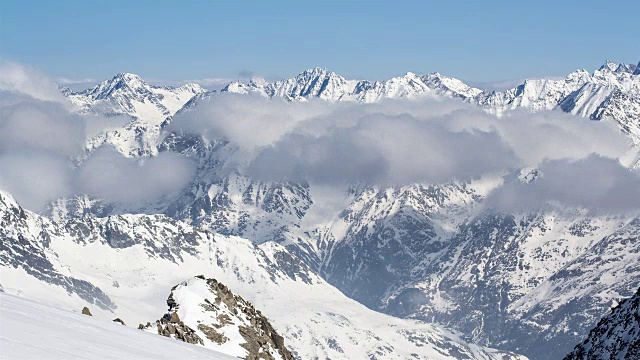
(126, 76)
(258, 81)
(625, 68)
(609, 65)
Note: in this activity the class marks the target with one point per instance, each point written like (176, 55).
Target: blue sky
(179, 40)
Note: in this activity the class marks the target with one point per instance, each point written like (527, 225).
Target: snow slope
(31, 330)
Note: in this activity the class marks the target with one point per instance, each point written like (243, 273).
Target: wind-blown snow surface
(124, 264)
(31, 330)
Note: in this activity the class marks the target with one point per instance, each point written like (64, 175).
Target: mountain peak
(626, 68)
(609, 65)
(317, 71)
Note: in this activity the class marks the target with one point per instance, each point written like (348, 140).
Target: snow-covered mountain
(326, 85)
(527, 282)
(532, 283)
(128, 95)
(611, 92)
(121, 265)
(617, 335)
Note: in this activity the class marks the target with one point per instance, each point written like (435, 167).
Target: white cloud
(30, 81)
(595, 183)
(392, 142)
(115, 178)
(35, 177)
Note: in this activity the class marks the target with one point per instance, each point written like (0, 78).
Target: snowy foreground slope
(123, 266)
(617, 335)
(31, 330)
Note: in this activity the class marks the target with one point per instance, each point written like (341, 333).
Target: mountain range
(366, 281)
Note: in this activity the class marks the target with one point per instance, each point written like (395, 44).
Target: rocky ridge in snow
(205, 311)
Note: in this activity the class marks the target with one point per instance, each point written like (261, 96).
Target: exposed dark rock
(212, 334)
(85, 311)
(118, 320)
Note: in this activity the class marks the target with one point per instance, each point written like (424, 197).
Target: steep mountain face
(128, 95)
(129, 259)
(526, 282)
(25, 248)
(617, 335)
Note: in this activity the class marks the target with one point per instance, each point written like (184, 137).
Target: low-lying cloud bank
(42, 141)
(399, 142)
(396, 142)
(595, 183)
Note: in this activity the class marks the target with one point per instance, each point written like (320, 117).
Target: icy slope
(617, 335)
(30, 330)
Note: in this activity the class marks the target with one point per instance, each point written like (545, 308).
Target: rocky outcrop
(86, 311)
(215, 316)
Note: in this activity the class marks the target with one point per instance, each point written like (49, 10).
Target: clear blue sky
(475, 41)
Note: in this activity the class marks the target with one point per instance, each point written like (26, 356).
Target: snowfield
(30, 330)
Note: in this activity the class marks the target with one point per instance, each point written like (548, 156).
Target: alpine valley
(260, 269)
